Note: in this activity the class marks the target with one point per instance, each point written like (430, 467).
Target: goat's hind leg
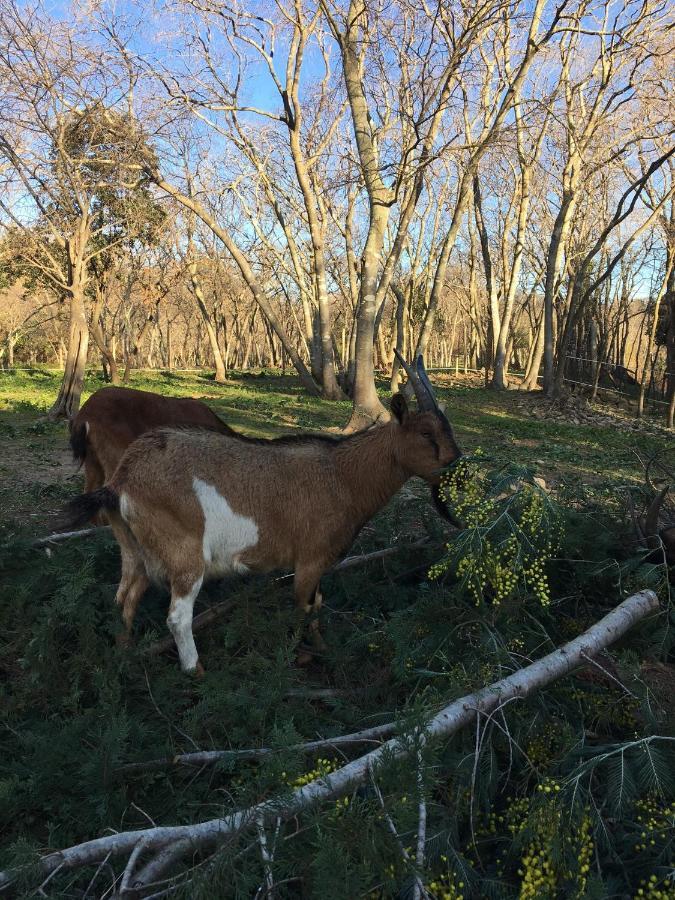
(308, 598)
(133, 584)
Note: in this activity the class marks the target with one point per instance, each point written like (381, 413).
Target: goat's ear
(399, 407)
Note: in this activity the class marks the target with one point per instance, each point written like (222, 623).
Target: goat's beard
(441, 507)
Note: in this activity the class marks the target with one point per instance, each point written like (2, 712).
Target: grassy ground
(74, 707)
(35, 460)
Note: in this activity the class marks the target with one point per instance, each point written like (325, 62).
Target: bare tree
(69, 158)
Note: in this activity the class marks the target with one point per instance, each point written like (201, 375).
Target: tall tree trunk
(12, 338)
(109, 360)
(401, 295)
(501, 354)
(490, 281)
(67, 403)
(461, 205)
(134, 351)
(367, 406)
(330, 389)
(652, 334)
(553, 265)
(531, 379)
(206, 318)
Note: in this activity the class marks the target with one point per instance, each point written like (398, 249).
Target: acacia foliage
(583, 770)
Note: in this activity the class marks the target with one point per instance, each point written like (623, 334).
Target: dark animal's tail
(82, 509)
(78, 441)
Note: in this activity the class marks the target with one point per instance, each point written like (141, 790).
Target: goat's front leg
(184, 590)
(308, 599)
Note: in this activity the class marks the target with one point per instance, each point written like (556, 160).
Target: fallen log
(180, 840)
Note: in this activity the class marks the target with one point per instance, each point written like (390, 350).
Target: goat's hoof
(198, 671)
(304, 657)
(123, 640)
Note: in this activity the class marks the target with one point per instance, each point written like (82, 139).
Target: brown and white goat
(190, 505)
(113, 417)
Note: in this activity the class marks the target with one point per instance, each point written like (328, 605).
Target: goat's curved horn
(424, 380)
(426, 402)
(404, 364)
(652, 519)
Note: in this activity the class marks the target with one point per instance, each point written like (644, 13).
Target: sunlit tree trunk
(67, 402)
(206, 318)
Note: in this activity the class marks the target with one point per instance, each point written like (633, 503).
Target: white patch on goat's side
(179, 621)
(86, 429)
(125, 506)
(226, 534)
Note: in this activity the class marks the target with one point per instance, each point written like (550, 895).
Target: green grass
(599, 457)
(74, 707)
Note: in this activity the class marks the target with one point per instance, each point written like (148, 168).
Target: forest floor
(75, 708)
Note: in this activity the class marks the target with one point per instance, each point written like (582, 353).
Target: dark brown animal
(113, 417)
(190, 505)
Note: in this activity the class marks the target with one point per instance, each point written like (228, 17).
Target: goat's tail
(82, 509)
(78, 440)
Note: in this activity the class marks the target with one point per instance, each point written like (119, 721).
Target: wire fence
(460, 367)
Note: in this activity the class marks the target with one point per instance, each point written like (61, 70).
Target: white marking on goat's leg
(179, 621)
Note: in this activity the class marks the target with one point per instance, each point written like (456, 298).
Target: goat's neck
(371, 470)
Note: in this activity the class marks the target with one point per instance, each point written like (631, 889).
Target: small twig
(60, 536)
(349, 561)
(609, 675)
(129, 868)
(315, 693)
(160, 862)
(422, 823)
(95, 876)
(267, 857)
(201, 621)
(420, 890)
(144, 814)
(165, 717)
(373, 735)
(476, 757)
(49, 877)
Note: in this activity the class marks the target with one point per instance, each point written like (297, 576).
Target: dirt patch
(37, 473)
